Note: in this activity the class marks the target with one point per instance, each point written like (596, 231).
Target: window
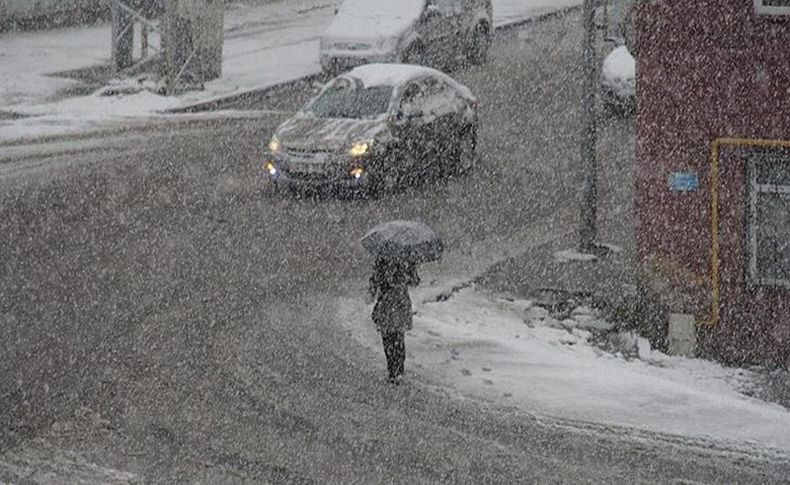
(344, 98)
(769, 218)
(440, 98)
(412, 99)
(772, 7)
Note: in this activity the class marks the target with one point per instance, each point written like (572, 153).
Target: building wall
(708, 69)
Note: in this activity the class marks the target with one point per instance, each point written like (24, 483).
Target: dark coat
(389, 285)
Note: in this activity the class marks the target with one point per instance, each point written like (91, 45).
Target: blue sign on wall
(683, 182)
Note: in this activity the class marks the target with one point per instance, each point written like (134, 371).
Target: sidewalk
(554, 271)
(265, 45)
(502, 340)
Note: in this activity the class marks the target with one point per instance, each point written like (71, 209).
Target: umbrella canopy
(410, 241)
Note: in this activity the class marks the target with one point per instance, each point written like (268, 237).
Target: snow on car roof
(397, 74)
(374, 19)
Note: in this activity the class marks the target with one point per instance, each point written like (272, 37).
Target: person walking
(392, 312)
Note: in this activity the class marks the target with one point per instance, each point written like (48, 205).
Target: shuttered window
(769, 218)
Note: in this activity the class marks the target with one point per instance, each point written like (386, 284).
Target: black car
(374, 127)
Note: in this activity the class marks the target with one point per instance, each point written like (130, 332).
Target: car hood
(327, 134)
(371, 21)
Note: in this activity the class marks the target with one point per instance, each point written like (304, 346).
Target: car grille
(305, 152)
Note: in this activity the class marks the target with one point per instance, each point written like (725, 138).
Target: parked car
(427, 32)
(375, 127)
(618, 81)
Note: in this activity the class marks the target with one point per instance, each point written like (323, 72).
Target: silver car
(373, 128)
(433, 33)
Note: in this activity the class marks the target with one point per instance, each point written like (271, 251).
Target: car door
(444, 111)
(415, 128)
(439, 27)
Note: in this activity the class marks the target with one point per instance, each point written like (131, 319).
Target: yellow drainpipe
(715, 152)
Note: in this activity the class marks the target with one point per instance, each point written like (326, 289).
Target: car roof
(394, 75)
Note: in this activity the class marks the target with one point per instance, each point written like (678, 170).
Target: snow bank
(98, 107)
(29, 59)
(619, 71)
(512, 352)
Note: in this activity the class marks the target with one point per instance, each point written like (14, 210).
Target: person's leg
(389, 340)
(399, 353)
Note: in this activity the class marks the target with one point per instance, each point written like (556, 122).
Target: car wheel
(467, 151)
(481, 41)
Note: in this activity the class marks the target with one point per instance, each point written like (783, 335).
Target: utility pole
(122, 35)
(589, 202)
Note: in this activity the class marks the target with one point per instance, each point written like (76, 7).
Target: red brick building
(712, 174)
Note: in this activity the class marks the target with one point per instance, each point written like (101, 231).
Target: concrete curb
(253, 93)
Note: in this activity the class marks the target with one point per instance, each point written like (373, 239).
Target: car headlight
(359, 148)
(274, 145)
(357, 172)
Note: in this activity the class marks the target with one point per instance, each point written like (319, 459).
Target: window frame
(761, 9)
(755, 189)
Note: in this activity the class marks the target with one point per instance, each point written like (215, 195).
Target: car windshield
(347, 99)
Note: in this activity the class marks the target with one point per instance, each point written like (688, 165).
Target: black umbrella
(410, 241)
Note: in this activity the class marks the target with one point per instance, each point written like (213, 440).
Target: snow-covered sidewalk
(264, 45)
(514, 353)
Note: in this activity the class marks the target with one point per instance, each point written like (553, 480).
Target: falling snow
(186, 295)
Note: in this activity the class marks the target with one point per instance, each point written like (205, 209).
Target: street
(165, 316)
